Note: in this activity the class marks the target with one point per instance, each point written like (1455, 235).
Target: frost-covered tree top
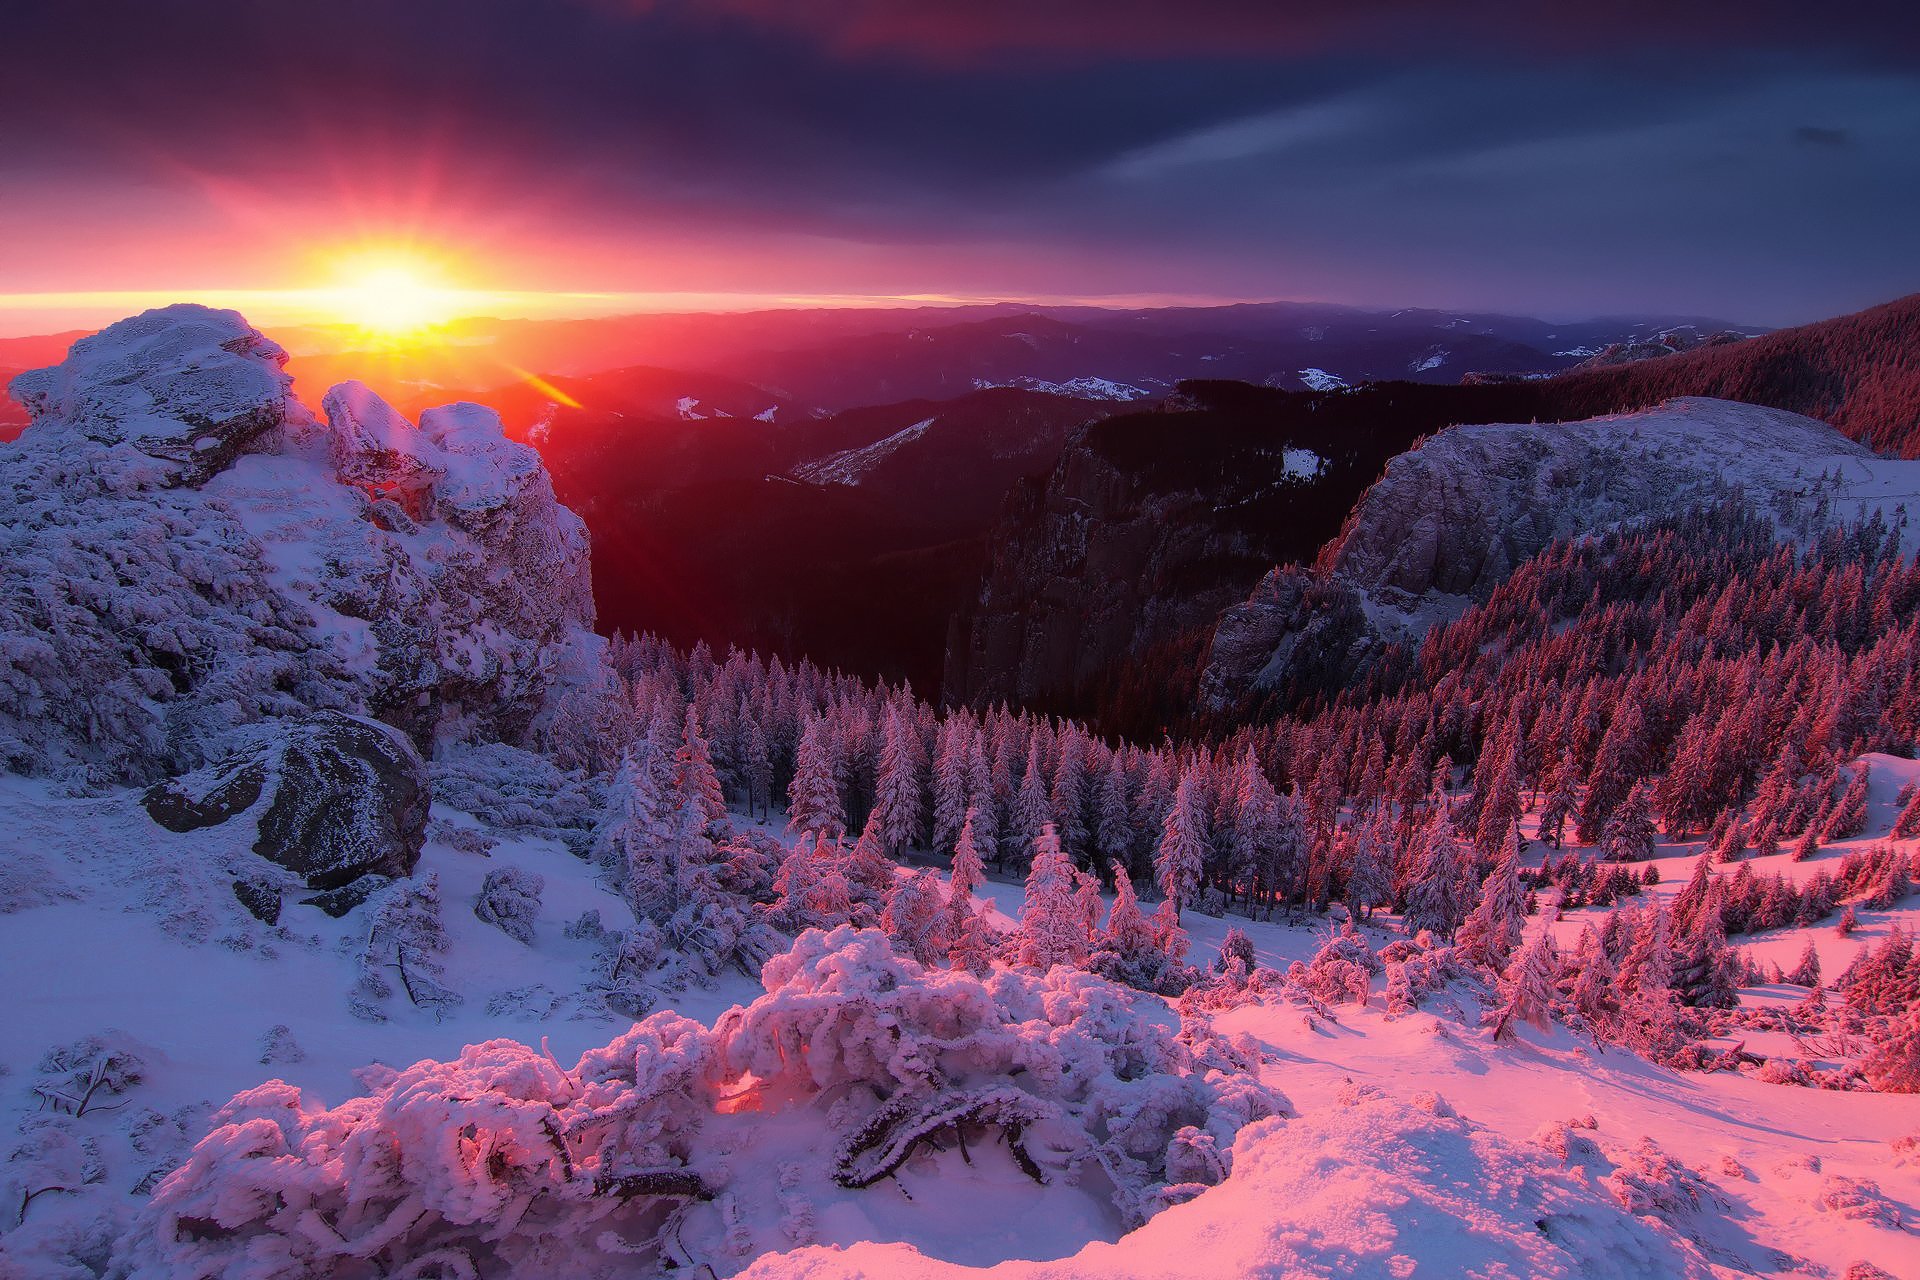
(185, 547)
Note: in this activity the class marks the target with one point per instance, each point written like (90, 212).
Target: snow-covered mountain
(1449, 520)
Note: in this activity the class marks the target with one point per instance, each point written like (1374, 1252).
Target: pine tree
(1435, 897)
(1849, 816)
(1560, 802)
(1127, 949)
(1370, 883)
(759, 771)
(915, 917)
(896, 804)
(1527, 987)
(1113, 817)
(1182, 854)
(1499, 807)
(971, 943)
(1594, 991)
(1032, 811)
(1705, 972)
(1494, 927)
(1068, 798)
(1254, 832)
(1616, 768)
(950, 803)
(1630, 835)
(1806, 973)
(1052, 927)
(694, 774)
(1907, 825)
(814, 805)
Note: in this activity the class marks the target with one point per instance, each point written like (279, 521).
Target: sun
(391, 294)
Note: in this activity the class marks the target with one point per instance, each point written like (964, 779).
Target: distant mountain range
(927, 492)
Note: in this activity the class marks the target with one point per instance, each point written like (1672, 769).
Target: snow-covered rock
(186, 386)
(1450, 520)
(333, 798)
(185, 548)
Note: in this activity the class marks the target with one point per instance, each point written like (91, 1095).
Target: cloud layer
(1751, 160)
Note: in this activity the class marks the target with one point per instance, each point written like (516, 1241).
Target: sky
(1757, 161)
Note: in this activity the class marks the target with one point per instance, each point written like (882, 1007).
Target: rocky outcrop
(1450, 520)
(188, 387)
(332, 797)
(185, 548)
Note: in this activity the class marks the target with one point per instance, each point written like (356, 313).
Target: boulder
(188, 386)
(333, 798)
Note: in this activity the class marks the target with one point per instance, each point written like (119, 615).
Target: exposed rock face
(184, 549)
(1149, 526)
(1450, 520)
(333, 797)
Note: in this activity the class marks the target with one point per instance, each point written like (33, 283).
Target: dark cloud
(1497, 154)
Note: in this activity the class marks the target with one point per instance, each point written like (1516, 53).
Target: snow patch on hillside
(850, 466)
(1086, 388)
(1321, 380)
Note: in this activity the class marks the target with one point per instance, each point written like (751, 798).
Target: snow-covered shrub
(510, 901)
(88, 1072)
(515, 790)
(405, 937)
(503, 1162)
(1416, 969)
(1342, 970)
(471, 840)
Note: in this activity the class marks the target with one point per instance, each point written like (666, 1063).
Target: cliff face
(1450, 520)
(1118, 564)
(184, 549)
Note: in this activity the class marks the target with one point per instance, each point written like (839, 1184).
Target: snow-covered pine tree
(1499, 807)
(1032, 809)
(915, 917)
(1849, 816)
(1126, 949)
(1630, 834)
(896, 803)
(1907, 825)
(1617, 769)
(694, 774)
(1435, 899)
(814, 804)
(1052, 923)
(950, 804)
(1113, 816)
(1370, 880)
(1561, 800)
(1706, 969)
(1595, 993)
(1182, 854)
(1494, 927)
(1806, 971)
(759, 765)
(1254, 834)
(1068, 795)
(1527, 987)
